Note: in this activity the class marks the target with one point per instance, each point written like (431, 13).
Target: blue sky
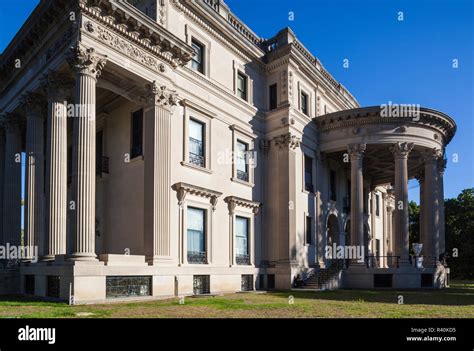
(407, 61)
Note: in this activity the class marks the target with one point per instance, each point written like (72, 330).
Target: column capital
(86, 61)
(356, 151)
(33, 104)
(162, 96)
(56, 86)
(288, 140)
(11, 122)
(432, 155)
(401, 150)
(442, 165)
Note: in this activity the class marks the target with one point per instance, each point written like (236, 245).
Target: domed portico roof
(379, 127)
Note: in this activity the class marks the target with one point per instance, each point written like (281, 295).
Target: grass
(454, 302)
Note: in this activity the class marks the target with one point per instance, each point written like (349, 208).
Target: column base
(82, 256)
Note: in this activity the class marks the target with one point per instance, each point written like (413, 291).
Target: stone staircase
(325, 278)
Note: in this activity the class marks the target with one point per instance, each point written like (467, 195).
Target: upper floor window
(137, 134)
(242, 86)
(197, 62)
(242, 240)
(309, 225)
(241, 160)
(332, 185)
(304, 103)
(308, 174)
(273, 97)
(196, 238)
(196, 143)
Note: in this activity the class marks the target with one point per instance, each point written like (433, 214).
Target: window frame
(240, 134)
(308, 230)
(248, 228)
(202, 64)
(190, 34)
(245, 77)
(305, 187)
(201, 115)
(304, 108)
(195, 202)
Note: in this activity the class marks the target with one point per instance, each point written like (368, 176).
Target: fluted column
(442, 224)
(87, 66)
(421, 179)
(430, 200)
(356, 152)
(401, 152)
(57, 90)
(34, 204)
(2, 176)
(12, 181)
(157, 179)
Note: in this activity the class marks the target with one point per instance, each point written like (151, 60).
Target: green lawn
(457, 301)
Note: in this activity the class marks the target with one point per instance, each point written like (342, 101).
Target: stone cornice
(182, 189)
(130, 23)
(234, 201)
(371, 115)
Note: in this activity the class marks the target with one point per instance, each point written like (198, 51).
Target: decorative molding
(198, 108)
(86, 61)
(234, 201)
(182, 189)
(287, 141)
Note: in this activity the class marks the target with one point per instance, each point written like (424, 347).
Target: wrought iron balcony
(244, 176)
(197, 160)
(242, 259)
(197, 257)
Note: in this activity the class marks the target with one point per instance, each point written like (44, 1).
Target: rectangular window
(196, 235)
(242, 256)
(377, 205)
(242, 161)
(309, 226)
(242, 86)
(197, 62)
(304, 103)
(332, 185)
(201, 284)
(273, 97)
(246, 282)
(137, 134)
(196, 143)
(308, 174)
(127, 286)
(53, 286)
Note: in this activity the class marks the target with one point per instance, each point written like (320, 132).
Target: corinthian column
(430, 200)
(157, 180)
(356, 153)
(401, 152)
(442, 225)
(87, 66)
(34, 209)
(12, 181)
(57, 89)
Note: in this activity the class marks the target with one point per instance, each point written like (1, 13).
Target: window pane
(241, 161)
(137, 133)
(242, 86)
(197, 62)
(196, 230)
(241, 233)
(273, 97)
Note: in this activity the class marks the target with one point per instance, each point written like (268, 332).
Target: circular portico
(388, 145)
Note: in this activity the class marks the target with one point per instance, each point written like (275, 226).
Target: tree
(459, 219)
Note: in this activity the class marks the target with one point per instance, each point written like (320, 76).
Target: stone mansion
(169, 150)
